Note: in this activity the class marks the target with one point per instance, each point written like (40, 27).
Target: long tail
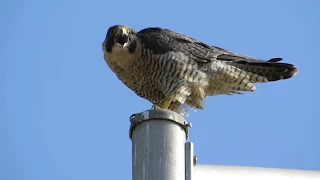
(272, 70)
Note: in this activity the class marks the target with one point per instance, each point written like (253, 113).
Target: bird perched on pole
(174, 71)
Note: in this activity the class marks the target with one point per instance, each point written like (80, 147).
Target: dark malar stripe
(132, 47)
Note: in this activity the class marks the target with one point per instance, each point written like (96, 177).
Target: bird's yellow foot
(165, 105)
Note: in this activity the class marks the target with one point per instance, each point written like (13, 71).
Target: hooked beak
(121, 37)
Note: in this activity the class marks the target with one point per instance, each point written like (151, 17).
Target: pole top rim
(156, 114)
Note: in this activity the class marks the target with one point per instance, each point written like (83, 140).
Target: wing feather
(161, 41)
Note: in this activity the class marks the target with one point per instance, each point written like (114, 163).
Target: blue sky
(65, 115)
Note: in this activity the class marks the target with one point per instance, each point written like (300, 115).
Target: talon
(156, 107)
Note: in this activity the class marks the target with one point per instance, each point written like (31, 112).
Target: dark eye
(113, 31)
(129, 31)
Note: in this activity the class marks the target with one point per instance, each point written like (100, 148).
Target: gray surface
(158, 145)
(189, 160)
(216, 172)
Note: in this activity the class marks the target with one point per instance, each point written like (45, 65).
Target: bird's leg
(165, 105)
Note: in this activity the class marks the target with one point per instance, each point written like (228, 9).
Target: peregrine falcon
(174, 71)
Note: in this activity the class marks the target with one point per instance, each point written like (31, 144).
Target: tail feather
(272, 69)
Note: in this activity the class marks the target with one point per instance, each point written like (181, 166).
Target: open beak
(121, 37)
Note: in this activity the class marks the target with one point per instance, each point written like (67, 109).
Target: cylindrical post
(158, 145)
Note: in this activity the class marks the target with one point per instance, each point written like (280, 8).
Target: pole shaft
(158, 146)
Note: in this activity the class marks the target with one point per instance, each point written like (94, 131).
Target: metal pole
(160, 152)
(158, 145)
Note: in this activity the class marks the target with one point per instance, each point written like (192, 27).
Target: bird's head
(118, 37)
